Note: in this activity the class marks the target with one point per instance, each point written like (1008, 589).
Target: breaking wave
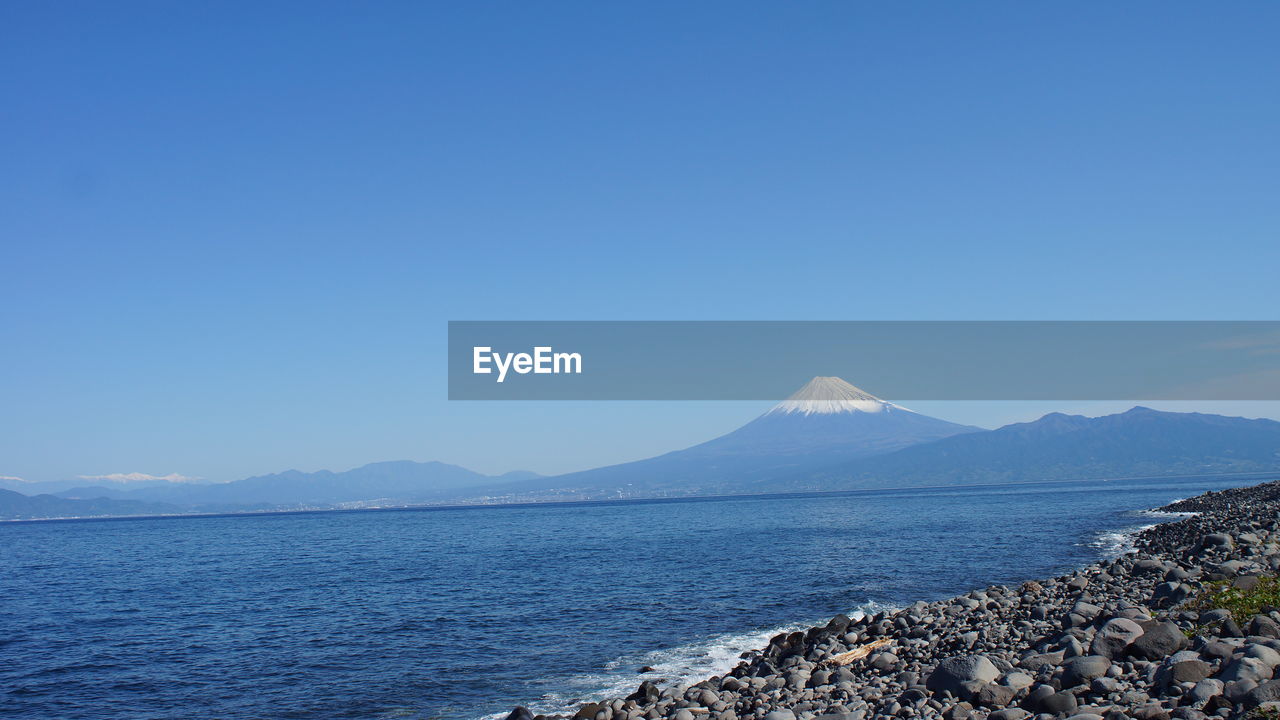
(1112, 544)
(679, 666)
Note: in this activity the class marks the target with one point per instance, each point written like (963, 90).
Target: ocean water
(462, 613)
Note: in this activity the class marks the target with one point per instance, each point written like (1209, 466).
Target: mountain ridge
(823, 423)
(1138, 442)
(828, 436)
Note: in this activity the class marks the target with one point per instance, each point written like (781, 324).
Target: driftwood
(858, 653)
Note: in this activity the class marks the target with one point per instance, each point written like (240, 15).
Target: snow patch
(830, 395)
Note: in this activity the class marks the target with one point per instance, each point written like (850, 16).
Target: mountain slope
(1138, 442)
(393, 482)
(825, 422)
(16, 506)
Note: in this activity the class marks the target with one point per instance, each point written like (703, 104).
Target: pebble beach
(1182, 627)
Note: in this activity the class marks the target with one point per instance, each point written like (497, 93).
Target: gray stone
(1159, 640)
(1035, 699)
(1114, 636)
(1263, 626)
(1169, 594)
(1216, 649)
(1150, 711)
(1148, 566)
(1246, 583)
(962, 676)
(520, 713)
(1059, 703)
(1088, 611)
(783, 714)
(884, 661)
(1134, 697)
(1191, 671)
(912, 696)
(1245, 668)
(1009, 714)
(1204, 690)
(796, 680)
(995, 696)
(1217, 540)
(1035, 662)
(1266, 692)
(1214, 615)
(1072, 647)
(1080, 670)
(1017, 680)
(1232, 568)
(1237, 690)
(1267, 655)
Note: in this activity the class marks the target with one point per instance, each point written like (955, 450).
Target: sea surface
(462, 613)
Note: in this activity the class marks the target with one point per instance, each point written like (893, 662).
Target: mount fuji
(830, 417)
(824, 423)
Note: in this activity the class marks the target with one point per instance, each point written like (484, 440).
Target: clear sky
(231, 234)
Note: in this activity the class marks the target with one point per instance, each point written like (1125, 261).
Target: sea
(463, 613)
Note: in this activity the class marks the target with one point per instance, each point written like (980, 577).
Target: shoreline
(1259, 475)
(1130, 636)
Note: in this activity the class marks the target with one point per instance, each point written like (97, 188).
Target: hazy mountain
(121, 482)
(824, 423)
(16, 506)
(827, 436)
(395, 482)
(518, 475)
(1139, 442)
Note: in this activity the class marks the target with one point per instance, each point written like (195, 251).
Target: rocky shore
(1184, 627)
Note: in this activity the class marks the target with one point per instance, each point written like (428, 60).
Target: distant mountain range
(1139, 442)
(392, 483)
(16, 506)
(825, 423)
(827, 436)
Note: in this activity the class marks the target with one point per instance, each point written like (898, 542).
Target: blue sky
(232, 233)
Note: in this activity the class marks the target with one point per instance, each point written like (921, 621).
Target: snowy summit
(829, 395)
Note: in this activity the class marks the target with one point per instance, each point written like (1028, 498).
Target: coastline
(428, 507)
(1114, 639)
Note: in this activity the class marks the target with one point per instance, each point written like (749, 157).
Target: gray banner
(767, 360)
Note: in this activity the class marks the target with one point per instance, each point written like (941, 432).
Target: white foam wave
(1114, 543)
(1169, 514)
(1111, 544)
(679, 666)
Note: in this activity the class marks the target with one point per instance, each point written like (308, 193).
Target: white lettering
(498, 359)
(543, 361)
(567, 358)
(478, 360)
(523, 363)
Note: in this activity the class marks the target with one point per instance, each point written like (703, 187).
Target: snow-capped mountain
(828, 418)
(826, 422)
(830, 395)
